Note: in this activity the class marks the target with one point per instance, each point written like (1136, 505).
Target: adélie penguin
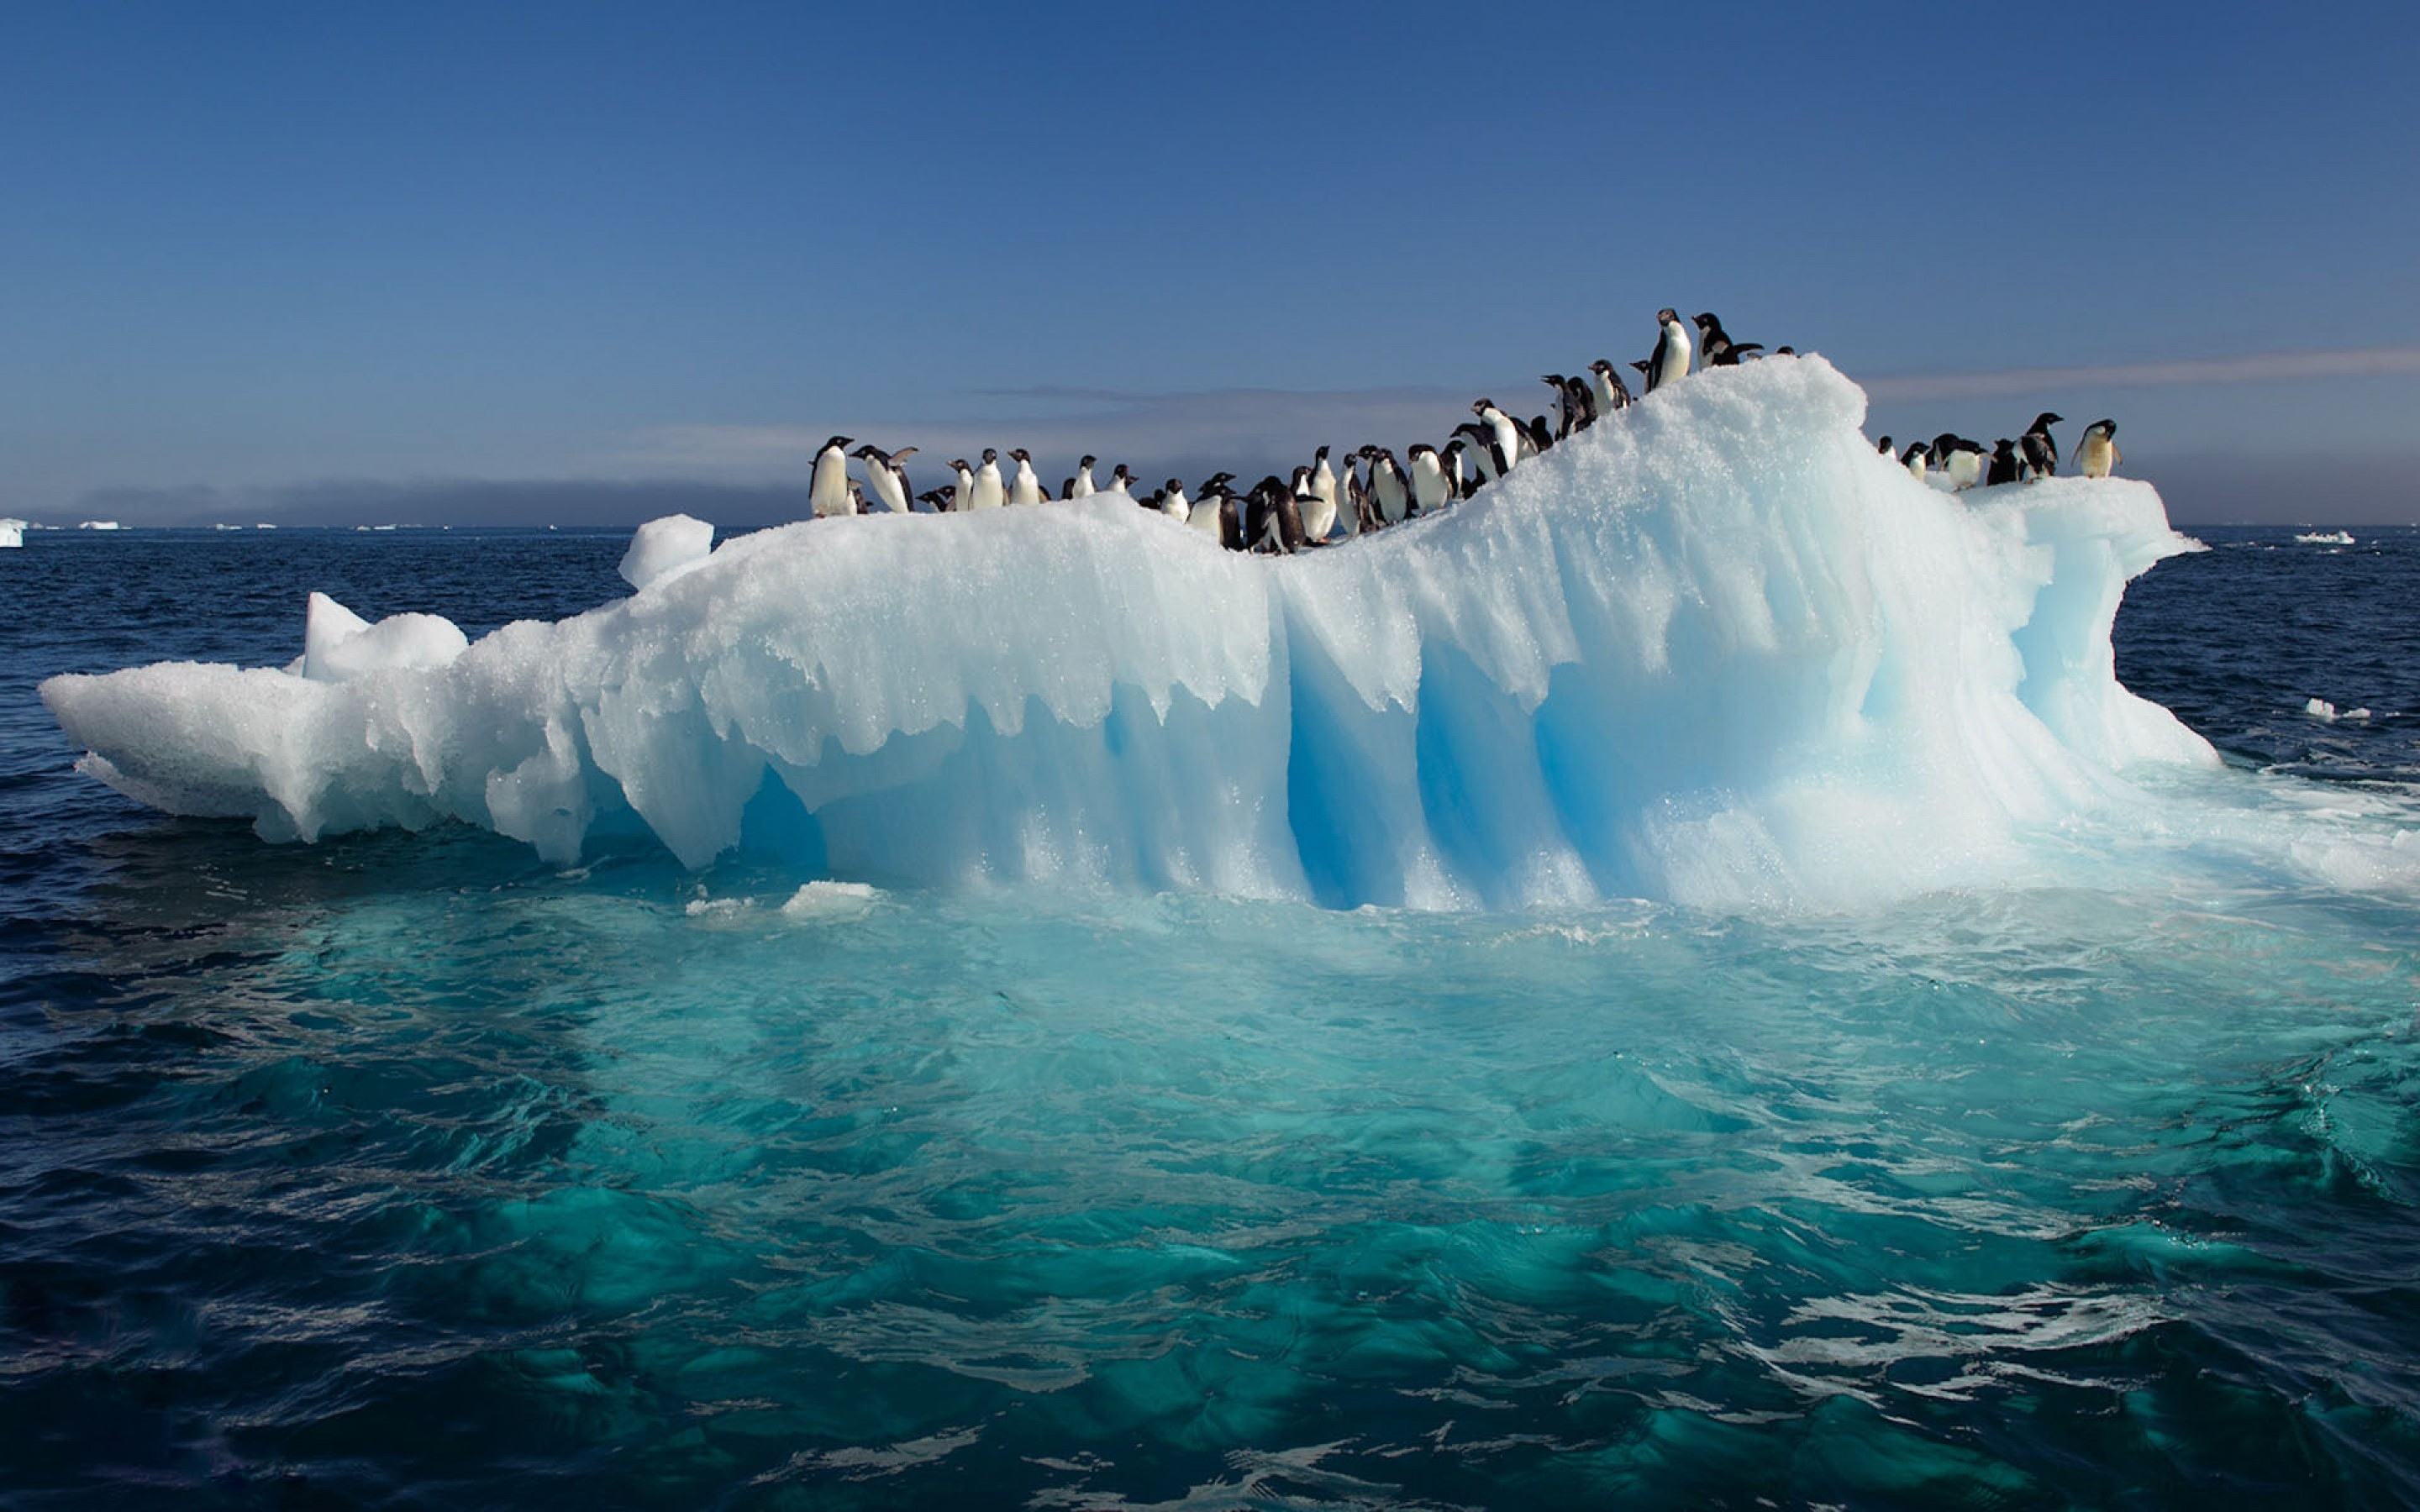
(885, 475)
(1432, 486)
(1081, 485)
(1606, 387)
(828, 492)
(1457, 471)
(986, 491)
(2096, 455)
(1916, 462)
(963, 498)
(2041, 452)
(1173, 503)
(1024, 487)
(1319, 520)
(2005, 467)
(1669, 361)
(1504, 432)
(1961, 460)
(1120, 479)
(1480, 444)
(1388, 489)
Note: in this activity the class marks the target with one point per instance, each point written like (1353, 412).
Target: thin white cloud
(2250, 367)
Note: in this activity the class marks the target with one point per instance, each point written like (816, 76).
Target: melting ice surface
(1715, 651)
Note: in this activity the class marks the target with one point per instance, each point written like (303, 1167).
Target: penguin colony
(1367, 490)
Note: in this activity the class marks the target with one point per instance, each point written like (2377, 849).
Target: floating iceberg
(13, 533)
(100, 525)
(2326, 538)
(1713, 650)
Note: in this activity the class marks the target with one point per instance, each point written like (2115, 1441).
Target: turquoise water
(411, 1169)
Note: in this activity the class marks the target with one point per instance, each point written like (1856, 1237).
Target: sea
(409, 1170)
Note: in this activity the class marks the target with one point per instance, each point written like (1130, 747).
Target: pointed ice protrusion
(340, 645)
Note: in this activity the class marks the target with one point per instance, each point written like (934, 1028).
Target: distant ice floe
(1713, 650)
(12, 532)
(100, 525)
(2325, 712)
(2326, 538)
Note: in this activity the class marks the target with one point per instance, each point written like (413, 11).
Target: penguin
(827, 493)
(1914, 461)
(887, 477)
(1432, 486)
(1457, 468)
(1606, 387)
(937, 499)
(1354, 515)
(1580, 403)
(1275, 525)
(1319, 520)
(1318, 514)
(1364, 513)
(2005, 467)
(1120, 480)
(1212, 504)
(1505, 432)
(1024, 487)
(1081, 485)
(1885, 447)
(985, 491)
(962, 495)
(1542, 439)
(1962, 461)
(1715, 345)
(1173, 503)
(1561, 412)
(2096, 455)
(1388, 489)
(1669, 361)
(1067, 489)
(2041, 451)
(1480, 441)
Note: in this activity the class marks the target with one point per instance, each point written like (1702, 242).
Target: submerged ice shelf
(1715, 650)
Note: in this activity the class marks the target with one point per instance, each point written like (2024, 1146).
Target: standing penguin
(1560, 414)
(2005, 467)
(1352, 512)
(1081, 485)
(1606, 387)
(1121, 481)
(1319, 520)
(827, 493)
(1962, 461)
(1916, 461)
(1173, 503)
(1212, 504)
(1885, 447)
(1432, 486)
(886, 476)
(986, 491)
(1388, 489)
(2096, 455)
(1669, 361)
(1457, 470)
(1024, 487)
(1505, 432)
(1480, 441)
(963, 497)
(2041, 451)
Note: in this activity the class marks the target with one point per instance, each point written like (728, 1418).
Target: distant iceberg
(2326, 538)
(1713, 650)
(13, 533)
(100, 525)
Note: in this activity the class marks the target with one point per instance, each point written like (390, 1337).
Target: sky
(578, 262)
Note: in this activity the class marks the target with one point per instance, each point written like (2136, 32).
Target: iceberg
(13, 533)
(1713, 650)
(2324, 538)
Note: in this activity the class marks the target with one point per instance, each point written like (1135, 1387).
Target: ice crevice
(1713, 650)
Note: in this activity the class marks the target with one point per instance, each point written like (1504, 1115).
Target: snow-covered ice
(338, 645)
(663, 548)
(13, 533)
(1715, 650)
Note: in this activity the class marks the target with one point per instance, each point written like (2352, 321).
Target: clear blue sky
(323, 258)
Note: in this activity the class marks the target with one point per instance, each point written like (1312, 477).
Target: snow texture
(1713, 650)
(664, 548)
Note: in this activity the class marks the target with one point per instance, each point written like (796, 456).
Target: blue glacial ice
(1714, 650)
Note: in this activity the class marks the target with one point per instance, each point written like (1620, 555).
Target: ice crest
(1713, 650)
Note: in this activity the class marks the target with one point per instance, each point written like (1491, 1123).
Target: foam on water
(1714, 650)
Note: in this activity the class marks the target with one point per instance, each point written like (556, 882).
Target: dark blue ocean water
(406, 1169)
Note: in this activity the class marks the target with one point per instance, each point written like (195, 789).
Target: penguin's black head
(2003, 447)
(1555, 378)
(1174, 486)
(864, 452)
(1456, 446)
(2046, 420)
(1704, 320)
(1665, 317)
(960, 463)
(1319, 455)
(1885, 447)
(990, 456)
(839, 442)
(1480, 407)
(2106, 427)
(1943, 444)
(1641, 365)
(1019, 452)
